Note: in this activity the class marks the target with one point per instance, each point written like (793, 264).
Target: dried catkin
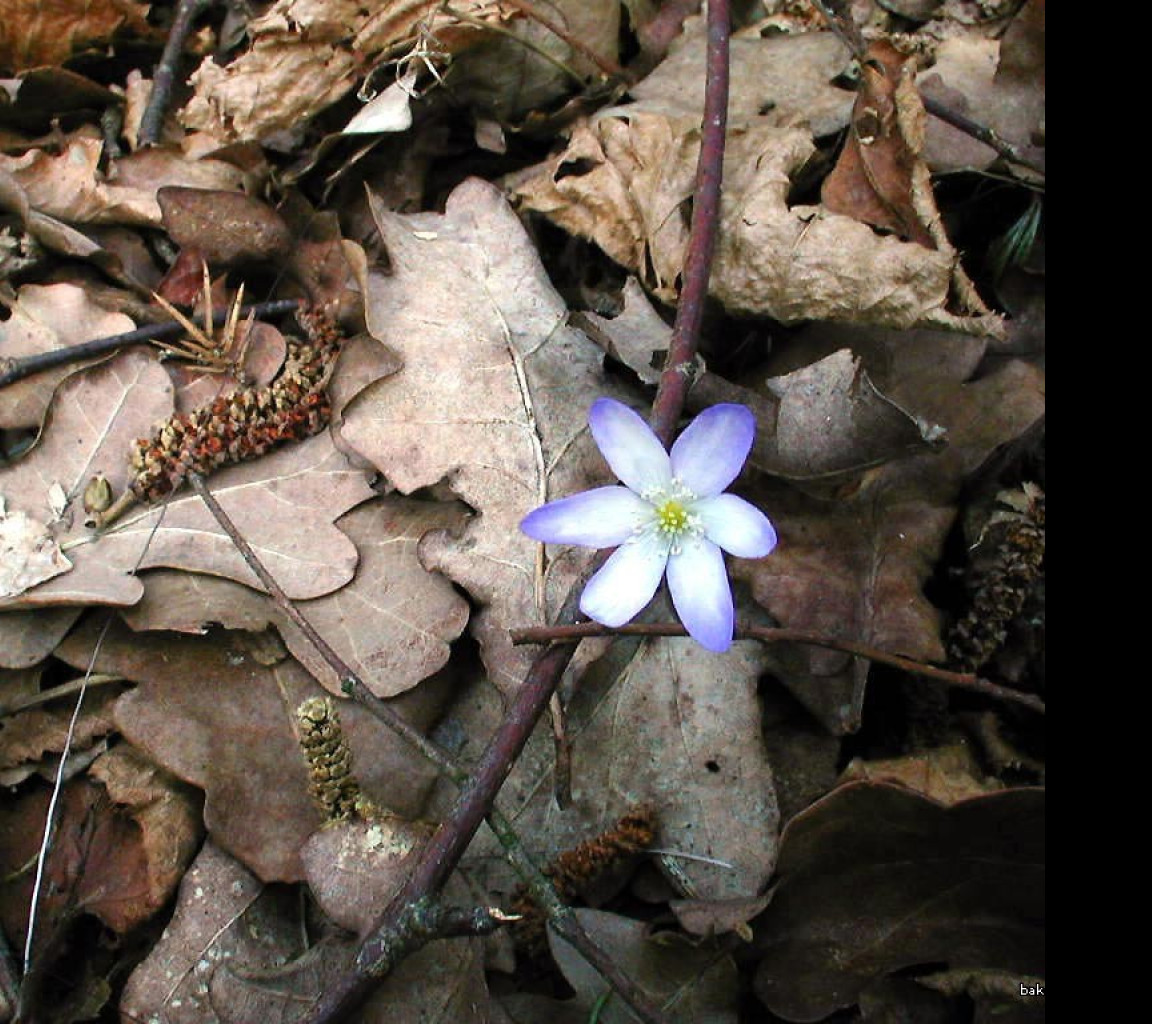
(1010, 564)
(245, 424)
(574, 871)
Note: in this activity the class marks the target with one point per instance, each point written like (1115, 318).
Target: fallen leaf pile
(490, 202)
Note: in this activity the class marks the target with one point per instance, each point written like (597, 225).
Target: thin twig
(542, 890)
(961, 680)
(12, 370)
(980, 132)
(164, 77)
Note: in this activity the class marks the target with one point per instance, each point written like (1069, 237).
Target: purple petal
(635, 454)
(710, 453)
(626, 582)
(701, 594)
(600, 518)
(738, 527)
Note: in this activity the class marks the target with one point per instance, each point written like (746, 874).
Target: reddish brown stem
(680, 365)
(962, 680)
(379, 952)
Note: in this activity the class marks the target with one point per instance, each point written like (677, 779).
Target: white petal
(600, 518)
(635, 454)
(700, 591)
(739, 527)
(626, 582)
(710, 453)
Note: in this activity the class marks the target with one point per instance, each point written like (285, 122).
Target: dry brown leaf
(223, 914)
(997, 83)
(879, 172)
(492, 399)
(392, 624)
(27, 638)
(774, 79)
(304, 56)
(284, 503)
(875, 879)
(123, 838)
(693, 984)
(45, 318)
(853, 567)
(50, 31)
(355, 868)
(946, 775)
(234, 952)
(662, 723)
(625, 180)
(29, 735)
(819, 422)
(213, 716)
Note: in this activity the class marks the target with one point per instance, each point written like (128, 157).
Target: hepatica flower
(670, 515)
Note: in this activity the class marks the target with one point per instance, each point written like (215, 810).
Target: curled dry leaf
(492, 399)
(27, 638)
(32, 35)
(124, 836)
(625, 181)
(874, 879)
(879, 177)
(212, 715)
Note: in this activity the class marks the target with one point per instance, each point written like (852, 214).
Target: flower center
(671, 518)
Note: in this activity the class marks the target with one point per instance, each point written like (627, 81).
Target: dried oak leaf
(27, 638)
(874, 879)
(392, 624)
(283, 503)
(70, 185)
(661, 722)
(50, 31)
(694, 984)
(233, 953)
(852, 567)
(492, 399)
(879, 178)
(625, 181)
(210, 714)
(45, 318)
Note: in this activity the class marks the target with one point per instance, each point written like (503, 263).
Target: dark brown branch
(680, 365)
(12, 370)
(980, 132)
(961, 680)
(164, 77)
